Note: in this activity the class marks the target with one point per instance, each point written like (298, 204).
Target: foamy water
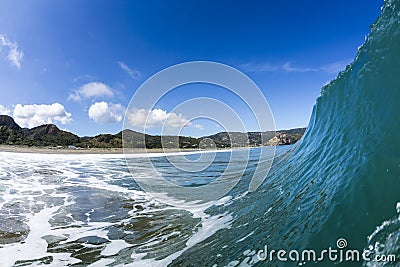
(66, 209)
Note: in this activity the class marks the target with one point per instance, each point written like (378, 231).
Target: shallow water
(85, 209)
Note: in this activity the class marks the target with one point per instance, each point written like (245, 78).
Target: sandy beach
(53, 150)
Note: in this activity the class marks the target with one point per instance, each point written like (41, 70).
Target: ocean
(340, 182)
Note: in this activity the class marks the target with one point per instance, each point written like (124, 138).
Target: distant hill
(45, 135)
(9, 123)
(50, 135)
(238, 139)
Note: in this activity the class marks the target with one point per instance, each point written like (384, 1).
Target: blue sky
(78, 63)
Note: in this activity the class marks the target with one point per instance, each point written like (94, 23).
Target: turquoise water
(342, 180)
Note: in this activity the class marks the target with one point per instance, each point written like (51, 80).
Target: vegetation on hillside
(50, 135)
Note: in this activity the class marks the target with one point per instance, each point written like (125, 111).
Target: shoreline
(52, 150)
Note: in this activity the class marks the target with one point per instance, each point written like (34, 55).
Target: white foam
(34, 246)
(209, 226)
(114, 247)
(244, 238)
(101, 263)
(71, 167)
(60, 259)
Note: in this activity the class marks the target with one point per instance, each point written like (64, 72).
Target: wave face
(341, 180)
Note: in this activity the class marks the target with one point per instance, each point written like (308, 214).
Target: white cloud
(15, 57)
(288, 67)
(91, 90)
(135, 74)
(268, 67)
(332, 68)
(35, 115)
(336, 67)
(260, 67)
(4, 111)
(197, 126)
(84, 78)
(155, 118)
(14, 54)
(102, 112)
